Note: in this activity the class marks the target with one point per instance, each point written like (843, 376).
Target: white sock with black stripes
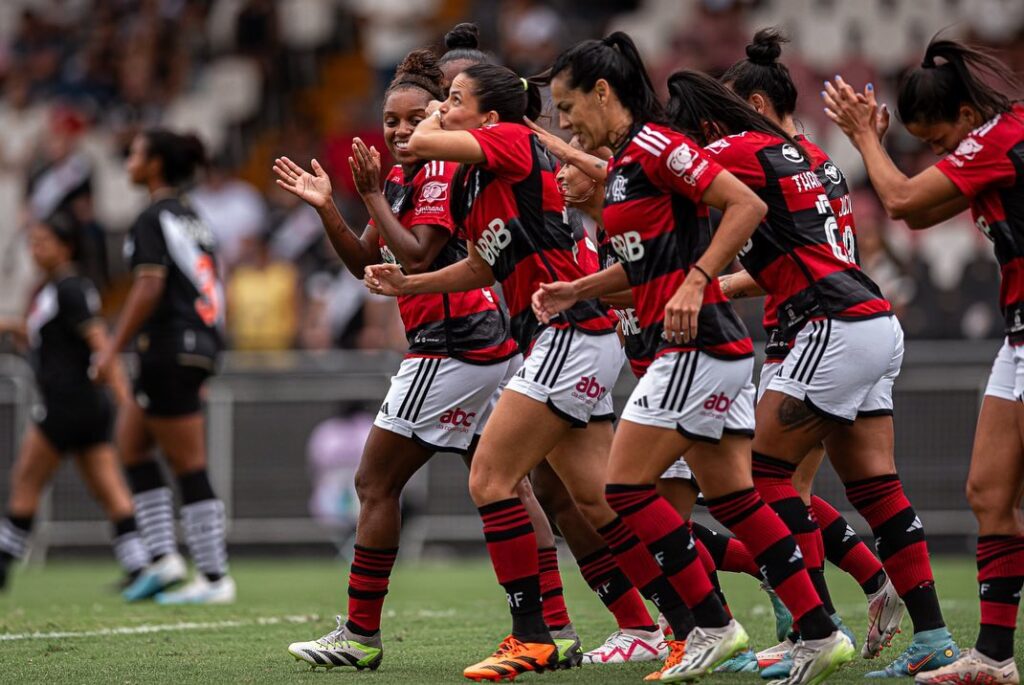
(154, 511)
(129, 548)
(203, 523)
(14, 532)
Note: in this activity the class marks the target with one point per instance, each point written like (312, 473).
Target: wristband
(703, 272)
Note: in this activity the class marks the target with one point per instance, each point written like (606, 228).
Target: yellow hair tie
(526, 85)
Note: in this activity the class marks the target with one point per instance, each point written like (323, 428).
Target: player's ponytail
(761, 72)
(951, 75)
(705, 110)
(616, 60)
(500, 90)
(180, 155)
(419, 69)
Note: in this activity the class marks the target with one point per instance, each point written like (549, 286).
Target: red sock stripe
(551, 592)
(752, 507)
(628, 498)
(798, 594)
(601, 572)
(823, 512)
(861, 563)
(630, 611)
(1000, 578)
(1000, 556)
(653, 519)
(999, 614)
(511, 541)
(738, 559)
(632, 557)
(368, 585)
(877, 499)
(548, 559)
(909, 568)
(596, 566)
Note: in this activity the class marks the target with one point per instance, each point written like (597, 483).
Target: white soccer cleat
(815, 660)
(628, 646)
(885, 613)
(773, 655)
(706, 650)
(163, 573)
(972, 668)
(340, 648)
(201, 591)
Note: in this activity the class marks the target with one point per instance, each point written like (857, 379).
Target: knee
(988, 503)
(376, 489)
(485, 488)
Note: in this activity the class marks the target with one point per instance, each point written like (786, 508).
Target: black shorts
(72, 426)
(166, 387)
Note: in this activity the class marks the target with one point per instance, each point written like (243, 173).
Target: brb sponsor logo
(629, 246)
(588, 389)
(495, 238)
(457, 420)
(717, 404)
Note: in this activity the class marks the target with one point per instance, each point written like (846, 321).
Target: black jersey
(58, 318)
(187, 323)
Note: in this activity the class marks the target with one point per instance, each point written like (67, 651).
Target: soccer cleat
(627, 646)
(201, 591)
(773, 655)
(783, 617)
(340, 647)
(569, 649)
(930, 650)
(706, 650)
(666, 627)
(844, 629)
(165, 572)
(972, 668)
(885, 612)
(512, 658)
(780, 669)
(815, 660)
(744, 662)
(676, 652)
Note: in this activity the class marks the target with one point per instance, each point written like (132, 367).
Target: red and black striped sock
(612, 586)
(775, 549)
(367, 587)
(666, 535)
(773, 479)
(1000, 579)
(552, 596)
(845, 549)
(729, 554)
(512, 545)
(639, 565)
(899, 538)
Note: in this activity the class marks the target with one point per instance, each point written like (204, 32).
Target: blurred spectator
(264, 300)
(24, 123)
(390, 29)
(531, 35)
(233, 209)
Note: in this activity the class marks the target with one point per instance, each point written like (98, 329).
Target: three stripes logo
(652, 141)
(642, 402)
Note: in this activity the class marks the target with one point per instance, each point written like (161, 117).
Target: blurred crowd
(261, 78)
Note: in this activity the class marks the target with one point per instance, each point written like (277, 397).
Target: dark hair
(616, 60)
(420, 70)
(179, 154)
(696, 99)
(498, 88)
(65, 229)
(761, 72)
(934, 92)
(463, 43)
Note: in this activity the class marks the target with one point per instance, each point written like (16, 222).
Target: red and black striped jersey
(639, 348)
(658, 228)
(516, 218)
(470, 326)
(838, 191)
(988, 168)
(800, 253)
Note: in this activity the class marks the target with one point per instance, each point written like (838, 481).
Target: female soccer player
(459, 356)
(63, 328)
(835, 314)
(766, 85)
(513, 214)
(174, 313)
(696, 399)
(950, 103)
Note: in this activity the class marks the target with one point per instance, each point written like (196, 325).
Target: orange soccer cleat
(512, 658)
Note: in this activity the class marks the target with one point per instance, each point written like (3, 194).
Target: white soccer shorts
(1007, 378)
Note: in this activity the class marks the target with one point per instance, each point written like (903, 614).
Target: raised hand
(882, 118)
(555, 145)
(365, 165)
(385, 279)
(851, 111)
(314, 189)
(551, 299)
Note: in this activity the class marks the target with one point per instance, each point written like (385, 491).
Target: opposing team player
(63, 328)
(513, 214)
(766, 85)
(697, 397)
(835, 313)
(174, 313)
(950, 103)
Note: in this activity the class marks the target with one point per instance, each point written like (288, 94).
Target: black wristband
(702, 271)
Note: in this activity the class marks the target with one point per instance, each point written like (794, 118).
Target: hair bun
(420, 62)
(767, 46)
(465, 35)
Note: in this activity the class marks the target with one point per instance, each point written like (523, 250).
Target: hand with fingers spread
(365, 165)
(551, 299)
(851, 111)
(683, 309)
(555, 145)
(385, 279)
(314, 189)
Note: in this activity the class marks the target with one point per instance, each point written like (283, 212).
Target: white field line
(158, 628)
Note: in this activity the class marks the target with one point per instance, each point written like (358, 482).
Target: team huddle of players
(672, 193)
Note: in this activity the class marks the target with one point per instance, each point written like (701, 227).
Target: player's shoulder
(653, 140)
(436, 170)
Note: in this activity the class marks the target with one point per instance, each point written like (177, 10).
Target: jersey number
(841, 240)
(208, 302)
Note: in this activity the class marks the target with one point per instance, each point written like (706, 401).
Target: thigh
(389, 460)
(641, 453)
(997, 458)
(134, 441)
(581, 461)
(787, 428)
(723, 468)
(98, 465)
(863, 450)
(182, 439)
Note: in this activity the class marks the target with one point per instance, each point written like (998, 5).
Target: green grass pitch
(438, 618)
